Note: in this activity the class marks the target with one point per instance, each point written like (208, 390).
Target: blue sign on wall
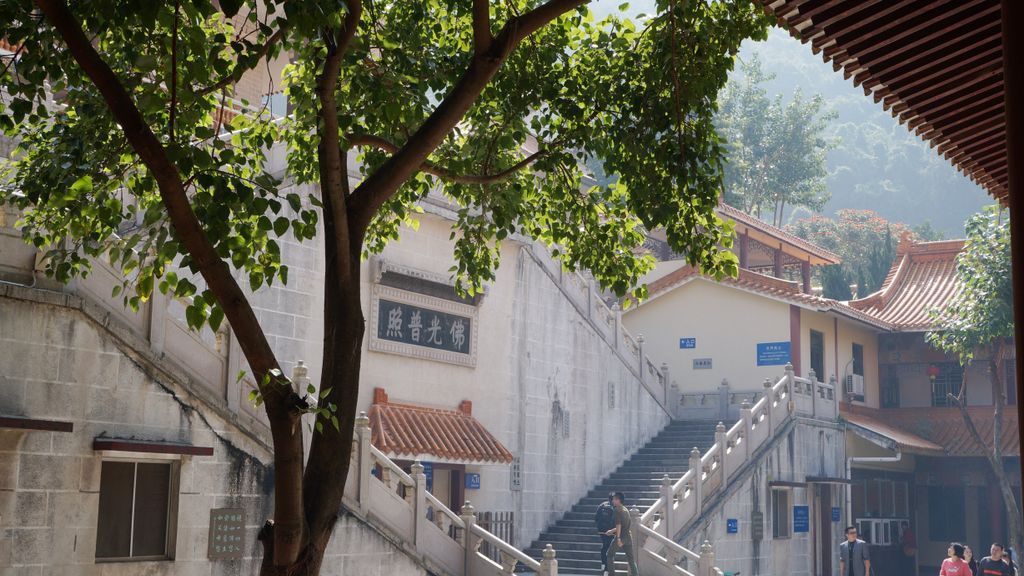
(687, 343)
(835, 514)
(428, 471)
(773, 353)
(801, 519)
(732, 526)
(472, 481)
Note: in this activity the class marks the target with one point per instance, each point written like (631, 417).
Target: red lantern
(933, 372)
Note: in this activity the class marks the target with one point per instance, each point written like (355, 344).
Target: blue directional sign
(732, 526)
(801, 519)
(835, 514)
(687, 343)
(472, 481)
(773, 353)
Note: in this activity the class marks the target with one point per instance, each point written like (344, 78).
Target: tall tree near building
(143, 161)
(979, 322)
(776, 150)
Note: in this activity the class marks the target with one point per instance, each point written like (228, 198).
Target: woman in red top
(955, 565)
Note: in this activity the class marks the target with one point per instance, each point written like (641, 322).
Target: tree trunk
(994, 456)
(1013, 523)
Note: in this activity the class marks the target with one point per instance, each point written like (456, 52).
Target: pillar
(778, 272)
(744, 250)
(706, 563)
(365, 461)
(548, 564)
(722, 447)
(468, 516)
(1013, 69)
(805, 275)
(698, 481)
(419, 503)
(666, 511)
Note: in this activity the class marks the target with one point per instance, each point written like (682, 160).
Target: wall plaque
(227, 534)
(422, 326)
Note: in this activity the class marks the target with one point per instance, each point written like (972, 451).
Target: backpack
(605, 517)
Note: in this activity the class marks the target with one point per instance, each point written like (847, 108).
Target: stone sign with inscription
(422, 326)
(227, 534)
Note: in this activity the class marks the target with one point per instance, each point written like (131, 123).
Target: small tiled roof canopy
(936, 430)
(411, 431)
(936, 65)
(922, 278)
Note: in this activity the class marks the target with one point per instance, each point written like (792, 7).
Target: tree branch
(239, 70)
(366, 140)
(481, 26)
(280, 409)
(369, 196)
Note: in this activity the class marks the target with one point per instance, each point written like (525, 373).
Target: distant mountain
(878, 164)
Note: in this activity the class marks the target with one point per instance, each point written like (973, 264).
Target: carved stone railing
(398, 503)
(682, 501)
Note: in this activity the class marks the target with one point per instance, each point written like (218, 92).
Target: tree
(141, 160)
(979, 321)
(864, 241)
(835, 283)
(776, 150)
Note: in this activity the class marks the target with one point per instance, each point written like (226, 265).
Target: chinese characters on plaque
(410, 324)
(227, 533)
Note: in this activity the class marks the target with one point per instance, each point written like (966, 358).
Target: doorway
(823, 544)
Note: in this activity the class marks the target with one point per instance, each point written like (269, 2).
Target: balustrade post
(770, 395)
(634, 533)
(698, 480)
(365, 460)
(723, 446)
(548, 563)
(468, 515)
(665, 381)
(643, 363)
(747, 417)
(835, 397)
(666, 511)
(723, 400)
(790, 388)
(706, 563)
(419, 503)
(813, 392)
(617, 313)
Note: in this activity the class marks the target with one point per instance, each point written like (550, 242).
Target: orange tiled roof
(937, 430)
(730, 212)
(768, 286)
(923, 277)
(411, 431)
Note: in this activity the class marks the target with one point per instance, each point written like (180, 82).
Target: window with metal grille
(948, 381)
(136, 511)
(780, 513)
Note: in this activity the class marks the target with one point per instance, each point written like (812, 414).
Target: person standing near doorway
(955, 565)
(623, 537)
(995, 563)
(604, 518)
(854, 559)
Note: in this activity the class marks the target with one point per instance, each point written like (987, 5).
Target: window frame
(858, 363)
(947, 384)
(173, 497)
(782, 528)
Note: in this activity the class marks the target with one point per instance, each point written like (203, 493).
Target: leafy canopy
(638, 97)
(982, 312)
(776, 150)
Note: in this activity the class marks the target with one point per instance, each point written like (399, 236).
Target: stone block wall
(58, 363)
(809, 449)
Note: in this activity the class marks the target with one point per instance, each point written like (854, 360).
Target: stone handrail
(397, 503)
(682, 502)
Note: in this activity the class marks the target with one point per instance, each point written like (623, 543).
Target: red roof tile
(411, 431)
(937, 430)
(923, 277)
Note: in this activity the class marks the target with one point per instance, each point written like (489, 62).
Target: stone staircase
(639, 479)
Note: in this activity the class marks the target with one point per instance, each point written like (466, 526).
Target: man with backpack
(605, 520)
